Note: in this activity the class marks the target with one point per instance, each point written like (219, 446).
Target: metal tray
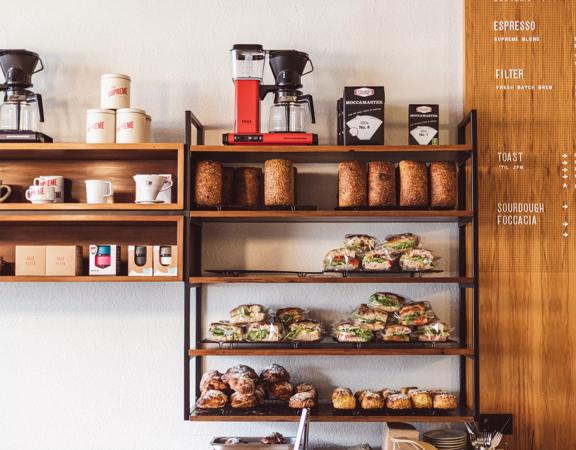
(251, 443)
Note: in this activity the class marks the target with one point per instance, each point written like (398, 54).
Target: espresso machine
(288, 115)
(21, 111)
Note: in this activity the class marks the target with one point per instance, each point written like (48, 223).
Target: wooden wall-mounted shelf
(77, 162)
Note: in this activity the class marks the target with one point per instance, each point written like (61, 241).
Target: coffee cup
(149, 186)
(5, 195)
(41, 194)
(52, 180)
(99, 191)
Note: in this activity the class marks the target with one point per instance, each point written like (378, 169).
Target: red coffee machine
(288, 116)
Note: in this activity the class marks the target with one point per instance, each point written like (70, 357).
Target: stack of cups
(115, 121)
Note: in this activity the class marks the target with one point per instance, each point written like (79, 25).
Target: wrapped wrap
(415, 314)
(379, 259)
(291, 315)
(434, 331)
(401, 242)
(304, 331)
(396, 333)
(352, 331)
(360, 243)
(418, 260)
(386, 301)
(248, 314)
(264, 332)
(225, 332)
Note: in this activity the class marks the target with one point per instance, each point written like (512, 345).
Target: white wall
(99, 366)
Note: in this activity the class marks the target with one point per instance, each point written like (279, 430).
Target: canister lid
(100, 111)
(115, 75)
(130, 110)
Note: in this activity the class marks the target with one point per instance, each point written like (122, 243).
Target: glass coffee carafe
(21, 114)
(288, 113)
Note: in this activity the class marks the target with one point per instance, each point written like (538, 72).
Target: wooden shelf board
(325, 413)
(331, 351)
(88, 279)
(89, 207)
(331, 216)
(331, 153)
(120, 218)
(464, 281)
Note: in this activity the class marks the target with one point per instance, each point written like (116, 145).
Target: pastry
(248, 187)
(242, 384)
(352, 178)
(380, 259)
(273, 439)
(445, 401)
(281, 390)
(238, 400)
(225, 332)
(342, 398)
(385, 301)
(290, 315)
(348, 331)
(406, 390)
(433, 332)
(248, 314)
(264, 332)
(302, 400)
(371, 400)
(241, 369)
(396, 333)
(443, 185)
(212, 399)
(435, 392)
(382, 184)
(417, 260)
(413, 314)
(278, 183)
(212, 380)
(341, 260)
(420, 399)
(398, 401)
(274, 374)
(360, 243)
(304, 331)
(305, 387)
(227, 186)
(386, 392)
(401, 242)
(413, 184)
(208, 183)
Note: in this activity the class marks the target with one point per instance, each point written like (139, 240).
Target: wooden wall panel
(527, 270)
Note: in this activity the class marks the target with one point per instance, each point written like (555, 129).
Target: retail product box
(423, 124)
(30, 260)
(140, 260)
(398, 430)
(63, 260)
(165, 260)
(104, 259)
(363, 115)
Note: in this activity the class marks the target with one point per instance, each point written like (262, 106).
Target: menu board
(521, 77)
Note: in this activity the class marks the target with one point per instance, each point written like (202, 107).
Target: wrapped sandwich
(433, 332)
(341, 260)
(225, 332)
(417, 260)
(290, 315)
(401, 242)
(415, 314)
(349, 331)
(360, 243)
(372, 319)
(305, 331)
(264, 332)
(248, 314)
(396, 333)
(381, 258)
(386, 301)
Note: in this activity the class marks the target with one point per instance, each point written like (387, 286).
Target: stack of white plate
(447, 439)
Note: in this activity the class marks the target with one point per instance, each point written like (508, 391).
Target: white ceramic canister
(130, 126)
(114, 91)
(100, 126)
(148, 128)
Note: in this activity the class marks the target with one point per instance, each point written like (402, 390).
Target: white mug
(99, 191)
(52, 180)
(149, 186)
(41, 194)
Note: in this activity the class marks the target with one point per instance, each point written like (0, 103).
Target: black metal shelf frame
(467, 132)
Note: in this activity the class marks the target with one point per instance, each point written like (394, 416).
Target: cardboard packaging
(30, 260)
(423, 125)
(140, 260)
(398, 430)
(104, 259)
(165, 260)
(362, 116)
(63, 260)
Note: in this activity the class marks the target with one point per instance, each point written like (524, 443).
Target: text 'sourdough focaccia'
(413, 184)
(443, 185)
(352, 191)
(382, 184)
(278, 182)
(248, 186)
(208, 183)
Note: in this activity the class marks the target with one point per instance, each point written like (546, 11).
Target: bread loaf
(352, 184)
(208, 183)
(443, 185)
(413, 184)
(248, 187)
(228, 186)
(278, 182)
(382, 184)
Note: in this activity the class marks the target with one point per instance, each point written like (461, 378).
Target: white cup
(99, 191)
(52, 180)
(41, 194)
(149, 186)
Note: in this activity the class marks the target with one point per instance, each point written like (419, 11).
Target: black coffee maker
(21, 111)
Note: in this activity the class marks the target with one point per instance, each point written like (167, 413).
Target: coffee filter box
(361, 116)
(423, 125)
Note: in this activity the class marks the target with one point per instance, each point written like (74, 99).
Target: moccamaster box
(30, 260)
(423, 125)
(140, 260)
(104, 259)
(63, 260)
(165, 260)
(363, 115)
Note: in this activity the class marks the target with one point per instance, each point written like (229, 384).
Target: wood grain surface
(527, 340)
